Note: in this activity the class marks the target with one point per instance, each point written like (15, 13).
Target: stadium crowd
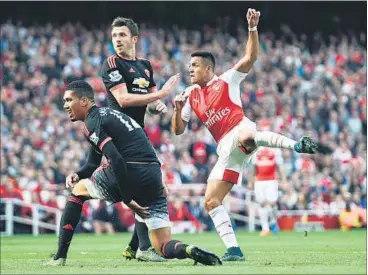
(299, 85)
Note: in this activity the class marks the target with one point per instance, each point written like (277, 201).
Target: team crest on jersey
(216, 86)
(141, 82)
(103, 111)
(115, 76)
(147, 72)
(94, 138)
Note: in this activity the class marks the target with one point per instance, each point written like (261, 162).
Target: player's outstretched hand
(71, 179)
(253, 17)
(143, 212)
(170, 85)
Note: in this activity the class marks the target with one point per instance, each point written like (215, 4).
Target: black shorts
(146, 180)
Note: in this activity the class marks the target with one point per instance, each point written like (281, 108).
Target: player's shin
(142, 232)
(223, 226)
(274, 140)
(263, 216)
(174, 249)
(68, 223)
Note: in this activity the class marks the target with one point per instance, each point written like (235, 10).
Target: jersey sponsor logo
(213, 117)
(141, 82)
(94, 138)
(139, 90)
(147, 72)
(131, 70)
(115, 76)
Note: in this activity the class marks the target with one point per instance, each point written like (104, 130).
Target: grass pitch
(331, 252)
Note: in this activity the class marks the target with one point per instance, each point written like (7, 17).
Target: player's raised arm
(252, 47)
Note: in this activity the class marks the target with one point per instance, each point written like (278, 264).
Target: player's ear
(84, 101)
(135, 39)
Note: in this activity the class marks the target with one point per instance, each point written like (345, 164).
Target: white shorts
(231, 159)
(266, 191)
(155, 222)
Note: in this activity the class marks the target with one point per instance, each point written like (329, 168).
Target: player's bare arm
(252, 47)
(126, 99)
(178, 125)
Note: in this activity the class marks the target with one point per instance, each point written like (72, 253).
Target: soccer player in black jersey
(129, 155)
(130, 87)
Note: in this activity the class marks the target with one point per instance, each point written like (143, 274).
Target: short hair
(82, 89)
(129, 23)
(206, 56)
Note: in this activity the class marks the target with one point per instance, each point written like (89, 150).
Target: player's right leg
(250, 138)
(69, 221)
(160, 231)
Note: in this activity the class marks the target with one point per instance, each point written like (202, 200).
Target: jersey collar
(214, 78)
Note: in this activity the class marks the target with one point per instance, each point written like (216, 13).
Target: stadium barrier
(243, 198)
(34, 220)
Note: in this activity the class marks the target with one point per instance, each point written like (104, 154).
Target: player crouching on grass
(126, 147)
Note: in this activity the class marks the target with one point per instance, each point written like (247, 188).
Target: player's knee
(211, 203)
(246, 139)
(80, 189)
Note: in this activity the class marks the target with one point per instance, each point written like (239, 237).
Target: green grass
(332, 252)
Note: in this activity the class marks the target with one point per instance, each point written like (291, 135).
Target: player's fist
(157, 107)
(169, 85)
(71, 179)
(161, 107)
(179, 101)
(253, 17)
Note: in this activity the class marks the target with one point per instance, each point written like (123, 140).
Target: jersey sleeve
(111, 76)
(233, 77)
(152, 82)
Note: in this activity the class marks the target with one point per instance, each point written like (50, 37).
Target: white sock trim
(274, 140)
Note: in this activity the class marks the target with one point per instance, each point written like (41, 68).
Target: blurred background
(310, 78)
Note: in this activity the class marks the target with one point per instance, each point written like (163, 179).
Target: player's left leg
(215, 193)
(271, 198)
(140, 246)
(69, 221)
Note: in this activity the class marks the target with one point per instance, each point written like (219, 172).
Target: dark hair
(131, 25)
(210, 59)
(82, 89)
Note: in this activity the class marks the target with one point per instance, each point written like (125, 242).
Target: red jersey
(265, 164)
(218, 104)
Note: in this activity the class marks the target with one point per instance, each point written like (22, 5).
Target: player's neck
(207, 80)
(128, 55)
(90, 107)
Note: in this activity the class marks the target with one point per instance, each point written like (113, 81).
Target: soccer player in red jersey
(216, 101)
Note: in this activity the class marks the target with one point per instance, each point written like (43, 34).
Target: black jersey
(137, 75)
(104, 124)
